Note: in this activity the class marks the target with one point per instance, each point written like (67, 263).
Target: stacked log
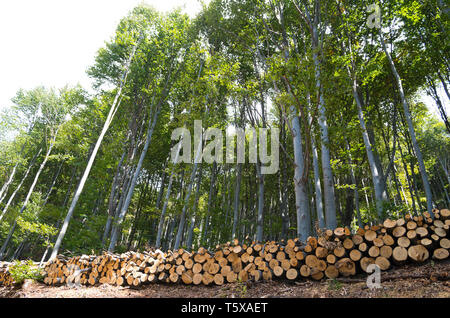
(5, 276)
(332, 254)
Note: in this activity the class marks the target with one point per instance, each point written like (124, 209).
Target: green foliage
(21, 270)
(334, 284)
(233, 55)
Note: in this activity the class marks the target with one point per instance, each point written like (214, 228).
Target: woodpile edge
(331, 254)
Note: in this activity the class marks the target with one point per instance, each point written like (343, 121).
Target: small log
(418, 253)
(440, 254)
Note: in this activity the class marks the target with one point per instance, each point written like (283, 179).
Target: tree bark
(90, 163)
(27, 198)
(412, 133)
(5, 209)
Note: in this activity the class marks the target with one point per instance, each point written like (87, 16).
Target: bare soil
(430, 280)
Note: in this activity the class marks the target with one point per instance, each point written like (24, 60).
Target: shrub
(21, 270)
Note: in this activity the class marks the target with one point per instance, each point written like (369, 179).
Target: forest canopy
(341, 81)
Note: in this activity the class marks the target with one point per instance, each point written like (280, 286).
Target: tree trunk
(124, 209)
(237, 191)
(108, 121)
(328, 183)
(194, 210)
(53, 183)
(412, 133)
(5, 209)
(188, 195)
(166, 201)
(260, 218)
(30, 191)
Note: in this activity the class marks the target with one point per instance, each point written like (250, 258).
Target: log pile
(332, 254)
(5, 277)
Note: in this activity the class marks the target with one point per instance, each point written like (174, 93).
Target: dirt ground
(431, 280)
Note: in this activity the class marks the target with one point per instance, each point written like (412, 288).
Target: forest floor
(412, 281)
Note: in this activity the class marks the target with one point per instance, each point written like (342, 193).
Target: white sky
(53, 42)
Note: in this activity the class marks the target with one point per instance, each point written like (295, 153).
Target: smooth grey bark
(237, 191)
(328, 183)
(66, 198)
(5, 187)
(445, 189)
(376, 177)
(36, 177)
(55, 177)
(125, 188)
(194, 210)
(356, 193)
(11, 198)
(432, 91)
(408, 179)
(300, 184)
(317, 183)
(166, 200)
(30, 192)
(142, 197)
(205, 224)
(127, 202)
(151, 127)
(112, 199)
(412, 133)
(188, 195)
(161, 189)
(260, 216)
(445, 167)
(301, 197)
(283, 188)
(90, 163)
(314, 22)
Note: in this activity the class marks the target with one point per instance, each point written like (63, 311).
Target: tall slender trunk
(237, 192)
(142, 198)
(355, 191)
(408, 179)
(447, 197)
(376, 177)
(283, 186)
(317, 183)
(188, 195)
(412, 133)
(205, 224)
(30, 192)
(5, 187)
(124, 209)
(260, 217)
(112, 199)
(301, 195)
(11, 198)
(166, 200)
(161, 189)
(433, 92)
(194, 210)
(90, 163)
(328, 183)
(53, 183)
